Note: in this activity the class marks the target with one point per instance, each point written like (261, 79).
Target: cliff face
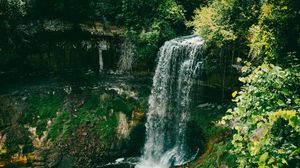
(57, 46)
(64, 125)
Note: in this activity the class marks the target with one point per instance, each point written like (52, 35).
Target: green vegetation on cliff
(86, 124)
(266, 118)
(263, 36)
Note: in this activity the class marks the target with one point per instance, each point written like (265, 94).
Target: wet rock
(203, 105)
(38, 164)
(123, 126)
(54, 159)
(104, 97)
(223, 165)
(67, 161)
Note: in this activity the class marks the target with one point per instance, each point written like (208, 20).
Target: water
(169, 103)
(127, 56)
(101, 46)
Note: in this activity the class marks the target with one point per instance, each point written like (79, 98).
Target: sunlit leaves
(274, 36)
(212, 25)
(266, 134)
(234, 94)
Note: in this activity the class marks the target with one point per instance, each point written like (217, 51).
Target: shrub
(267, 118)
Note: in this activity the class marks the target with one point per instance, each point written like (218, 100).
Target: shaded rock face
(123, 126)
(63, 55)
(55, 46)
(9, 112)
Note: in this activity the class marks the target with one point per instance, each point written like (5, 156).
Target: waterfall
(100, 60)
(127, 56)
(169, 103)
(101, 46)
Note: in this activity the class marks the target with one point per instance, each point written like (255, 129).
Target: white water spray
(169, 104)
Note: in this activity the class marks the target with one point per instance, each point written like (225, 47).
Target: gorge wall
(55, 46)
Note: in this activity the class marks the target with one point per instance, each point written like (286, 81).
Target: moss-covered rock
(48, 125)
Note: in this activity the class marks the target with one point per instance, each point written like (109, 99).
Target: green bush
(150, 24)
(273, 38)
(213, 22)
(267, 118)
(219, 156)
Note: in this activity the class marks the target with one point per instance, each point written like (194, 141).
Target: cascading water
(127, 56)
(169, 103)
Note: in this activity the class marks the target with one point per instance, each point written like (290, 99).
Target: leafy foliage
(266, 118)
(225, 21)
(150, 29)
(274, 37)
(212, 26)
(266, 30)
(224, 25)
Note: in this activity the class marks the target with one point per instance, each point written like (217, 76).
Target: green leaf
(264, 157)
(297, 101)
(237, 137)
(280, 103)
(296, 152)
(271, 160)
(284, 161)
(285, 92)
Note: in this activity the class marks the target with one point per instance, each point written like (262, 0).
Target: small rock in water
(15, 92)
(49, 123)
(203, 105)
(119, 160)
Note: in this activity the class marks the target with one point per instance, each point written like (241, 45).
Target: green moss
(106, 129)
(91, 116)
(40, 108)
(94, 117)
(92, 103)
(58, 125)
(101, 118)
(119, 104)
